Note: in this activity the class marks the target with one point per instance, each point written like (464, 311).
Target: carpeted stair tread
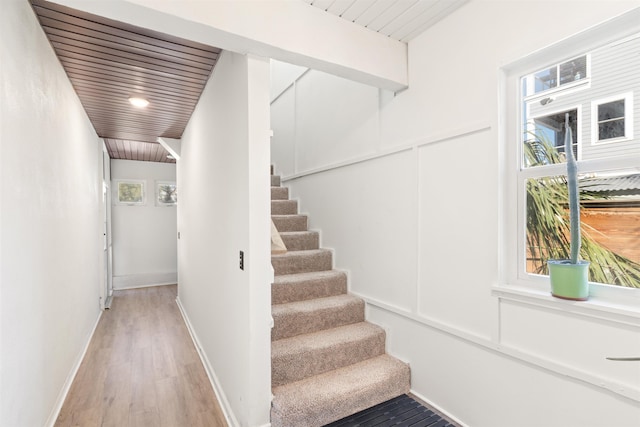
(302, 261)
(275, 180)
(290, 222)
(304, 317)
(302, 356)
(300, 240)
(284, 207)
(321, 399)
(279, 193)
(305, 286)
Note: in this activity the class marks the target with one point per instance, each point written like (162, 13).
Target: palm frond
(548, 224)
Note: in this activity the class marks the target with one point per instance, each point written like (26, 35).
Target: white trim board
(594, 380)
(227, 411)
(144, 280)
(464, 130)
(437, 408)
(53, 416)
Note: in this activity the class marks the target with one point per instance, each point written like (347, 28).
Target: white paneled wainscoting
(406, 188)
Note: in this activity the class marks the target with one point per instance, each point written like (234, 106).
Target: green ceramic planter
(569, 281)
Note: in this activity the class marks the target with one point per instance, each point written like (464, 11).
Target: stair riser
(282, 293)
(279, 193)
(275, 180)
(301, 242)
(292, 324)
(292, 264)
(284, 207)
(290, 222)
(295, 367)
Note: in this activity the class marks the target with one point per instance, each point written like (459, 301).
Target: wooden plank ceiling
(108, 61)
(401, 20)
(137, 150)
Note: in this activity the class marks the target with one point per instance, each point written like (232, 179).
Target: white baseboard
(144, 286)
(434, 406)
(72, 376)
(143, 280)
(213, 379)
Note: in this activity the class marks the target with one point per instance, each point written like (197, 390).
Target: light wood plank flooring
(141, 369)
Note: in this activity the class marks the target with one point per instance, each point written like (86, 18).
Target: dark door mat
(400, 411)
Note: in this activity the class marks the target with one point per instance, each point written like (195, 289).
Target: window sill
(597, 307)
(611, 140)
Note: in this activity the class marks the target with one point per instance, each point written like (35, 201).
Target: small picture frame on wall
(166, 193)
(130, 192)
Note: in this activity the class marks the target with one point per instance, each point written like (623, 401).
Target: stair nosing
(298, 232)
(307, 275)
(301, 253)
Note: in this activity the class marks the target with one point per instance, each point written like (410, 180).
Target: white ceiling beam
(287, 30)
(171, 145)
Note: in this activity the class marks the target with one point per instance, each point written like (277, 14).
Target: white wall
(405, 187)
(50, 226)
(144, 237)
(223, 176)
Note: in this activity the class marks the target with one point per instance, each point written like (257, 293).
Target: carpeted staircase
(326, 361)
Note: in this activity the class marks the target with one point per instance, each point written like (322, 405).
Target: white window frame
(628, 119)
(609, 302)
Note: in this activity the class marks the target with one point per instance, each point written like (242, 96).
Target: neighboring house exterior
(604, 112)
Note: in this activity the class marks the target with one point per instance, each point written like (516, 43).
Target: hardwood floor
(141, 369)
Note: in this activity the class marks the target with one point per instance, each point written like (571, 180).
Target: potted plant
(570, 277)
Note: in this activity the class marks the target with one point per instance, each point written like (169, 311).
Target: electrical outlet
(241, 260)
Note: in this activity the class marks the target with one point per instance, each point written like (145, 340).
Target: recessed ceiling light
(169, 156)
(138, 102)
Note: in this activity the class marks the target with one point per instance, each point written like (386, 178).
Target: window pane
(611, 110)
(573, 70)
(546, 79)
(610, 214)
(611, 129)
(544, 139)
(553, 77)
(546, 232)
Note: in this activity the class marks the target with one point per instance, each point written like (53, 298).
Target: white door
(107, 243)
